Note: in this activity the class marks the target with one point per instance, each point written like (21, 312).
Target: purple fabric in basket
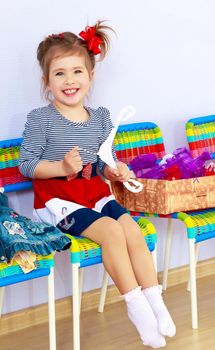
(144, 166)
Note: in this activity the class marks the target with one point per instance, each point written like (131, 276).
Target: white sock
(166, 325)
(141, 315)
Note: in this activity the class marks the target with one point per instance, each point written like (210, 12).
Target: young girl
(68, 191)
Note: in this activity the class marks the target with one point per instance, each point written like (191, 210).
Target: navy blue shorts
(76, 222)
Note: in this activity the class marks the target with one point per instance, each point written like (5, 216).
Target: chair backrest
(135, 139)
(12, 180)
(10, 177)
(201, 135)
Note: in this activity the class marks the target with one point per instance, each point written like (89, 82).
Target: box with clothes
(165, 197)
(176, 183)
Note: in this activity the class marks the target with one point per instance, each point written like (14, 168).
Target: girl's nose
(69, 80)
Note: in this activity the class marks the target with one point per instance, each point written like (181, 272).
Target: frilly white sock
(166, 325)
(142, 316)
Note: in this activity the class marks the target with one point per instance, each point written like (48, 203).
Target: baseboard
(18, 320)
(34, 316)
(180, 275)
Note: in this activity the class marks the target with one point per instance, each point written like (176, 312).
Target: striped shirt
(48, 135)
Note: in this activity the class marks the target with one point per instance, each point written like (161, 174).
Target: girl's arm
(46, 169)
(71, 164)
(34, 143)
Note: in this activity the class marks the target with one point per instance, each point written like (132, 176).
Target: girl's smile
(70, 92)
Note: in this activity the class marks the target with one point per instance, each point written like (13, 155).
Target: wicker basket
(166, 197)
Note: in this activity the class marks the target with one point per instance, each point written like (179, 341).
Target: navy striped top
(48, 135)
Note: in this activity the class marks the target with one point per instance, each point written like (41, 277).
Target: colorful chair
(11, 180)
(83, 252)
(138, 138)
(201, 137)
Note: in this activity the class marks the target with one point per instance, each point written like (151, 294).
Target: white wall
(162, 62)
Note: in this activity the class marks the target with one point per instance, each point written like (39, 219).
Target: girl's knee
(113, 231)
(134, 235)
(134, 230)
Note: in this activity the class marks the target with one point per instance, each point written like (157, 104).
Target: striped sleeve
(107, 127)
(34, 143)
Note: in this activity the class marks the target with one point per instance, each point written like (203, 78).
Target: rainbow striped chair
(201, 137)
(10, 181)
(83, 252)
(138, 138)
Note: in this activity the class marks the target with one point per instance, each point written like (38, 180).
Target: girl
(68, 191)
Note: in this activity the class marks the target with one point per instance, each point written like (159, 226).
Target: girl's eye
(77, 71)
(59, 73)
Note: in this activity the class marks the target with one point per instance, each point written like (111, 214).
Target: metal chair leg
(167, 253)
(76, 306)
(197, 247)
(103, 291)
(193, 283)
(51, 308)
(81, 281)
(2, 289)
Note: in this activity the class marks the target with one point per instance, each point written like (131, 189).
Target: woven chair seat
(42, 262)
(200, 224)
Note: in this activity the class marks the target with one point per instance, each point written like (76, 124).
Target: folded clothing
(19, 233)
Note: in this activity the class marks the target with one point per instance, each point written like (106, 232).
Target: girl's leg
(139, 253)
(141, 261)
(110, 235)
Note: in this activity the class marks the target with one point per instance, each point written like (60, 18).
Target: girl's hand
(122, 173)
(72, 162)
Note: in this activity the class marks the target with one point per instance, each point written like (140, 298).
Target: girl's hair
(67, 43)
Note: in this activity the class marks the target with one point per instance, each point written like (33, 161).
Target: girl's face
(69, 80)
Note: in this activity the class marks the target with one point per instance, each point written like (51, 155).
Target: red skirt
(80, 190)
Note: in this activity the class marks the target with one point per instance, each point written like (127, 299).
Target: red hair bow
(93, 41)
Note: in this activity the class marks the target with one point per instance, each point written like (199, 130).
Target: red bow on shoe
(92, 40)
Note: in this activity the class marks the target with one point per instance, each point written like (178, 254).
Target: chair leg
(193, 283)
(81, 280)
(76, 306)
(154, 258)
(51, 308)
(167, 252)
(103, 291)
(2, 289)
(197, 247)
